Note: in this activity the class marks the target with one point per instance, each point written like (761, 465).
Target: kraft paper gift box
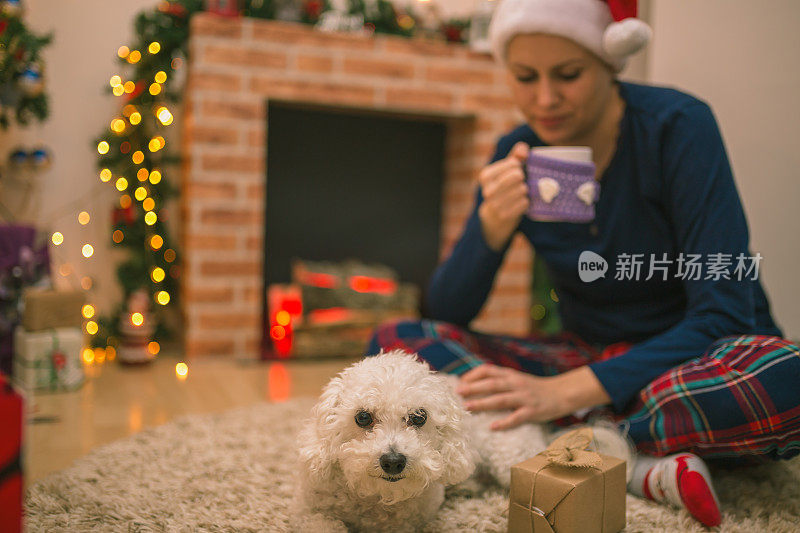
(48, 360)
(46, 309)
(568, 489)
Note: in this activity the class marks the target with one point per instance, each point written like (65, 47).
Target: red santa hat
(608, 28)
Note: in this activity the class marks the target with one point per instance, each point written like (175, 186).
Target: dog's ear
(317, 439)
(457, 454)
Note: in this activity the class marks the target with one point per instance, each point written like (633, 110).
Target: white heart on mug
(586, 192)
(548, 189)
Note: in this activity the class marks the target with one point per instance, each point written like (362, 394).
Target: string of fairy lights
(130, 163)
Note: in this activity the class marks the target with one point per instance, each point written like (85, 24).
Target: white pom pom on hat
(608, 28)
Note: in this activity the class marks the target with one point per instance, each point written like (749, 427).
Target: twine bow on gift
(570, 450)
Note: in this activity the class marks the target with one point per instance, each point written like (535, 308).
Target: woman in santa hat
(688, 367)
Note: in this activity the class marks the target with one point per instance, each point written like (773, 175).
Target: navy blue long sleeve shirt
(669, 190)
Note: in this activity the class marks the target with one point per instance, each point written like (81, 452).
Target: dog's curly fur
(342, 484)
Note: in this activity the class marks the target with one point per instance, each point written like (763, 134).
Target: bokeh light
(158, 274)
(164, 116)
(118, 125)
(283, 318)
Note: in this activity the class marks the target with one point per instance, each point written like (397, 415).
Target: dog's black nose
(393, 463)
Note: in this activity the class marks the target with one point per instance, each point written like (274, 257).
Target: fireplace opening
(352, 224)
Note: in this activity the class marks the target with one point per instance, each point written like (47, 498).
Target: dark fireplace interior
(352, 184)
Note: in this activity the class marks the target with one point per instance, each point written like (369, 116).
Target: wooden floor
(117, 401)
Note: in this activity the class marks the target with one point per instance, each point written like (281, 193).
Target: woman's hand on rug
(530, 398)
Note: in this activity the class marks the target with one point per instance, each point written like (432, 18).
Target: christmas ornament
(18, 158)
(225, 8)
(312, 10)
(31, 81)
(123, 215)
(172, 8)
(40, 158)
(137, 90)
(455, 30)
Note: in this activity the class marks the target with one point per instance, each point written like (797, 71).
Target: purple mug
(561, 190)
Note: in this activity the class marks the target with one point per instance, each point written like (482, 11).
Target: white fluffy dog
(386, 437)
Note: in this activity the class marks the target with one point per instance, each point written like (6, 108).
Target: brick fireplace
(236, 66)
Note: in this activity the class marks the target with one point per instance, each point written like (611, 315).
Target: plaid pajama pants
(738, 403)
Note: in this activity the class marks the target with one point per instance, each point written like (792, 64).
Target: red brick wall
(235, 66)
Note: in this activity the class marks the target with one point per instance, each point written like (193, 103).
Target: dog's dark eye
(417, 418)
(363, 419)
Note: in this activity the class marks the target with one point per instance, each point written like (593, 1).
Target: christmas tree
(135, 159)
(22, 96)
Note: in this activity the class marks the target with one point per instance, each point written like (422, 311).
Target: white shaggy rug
(234, 472)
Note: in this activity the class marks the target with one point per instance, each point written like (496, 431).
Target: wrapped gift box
(48, 360)
(24, 262)
(46, 309)
(567, 489)
(11, 419)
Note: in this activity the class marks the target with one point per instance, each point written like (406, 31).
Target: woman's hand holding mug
(505, 196)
